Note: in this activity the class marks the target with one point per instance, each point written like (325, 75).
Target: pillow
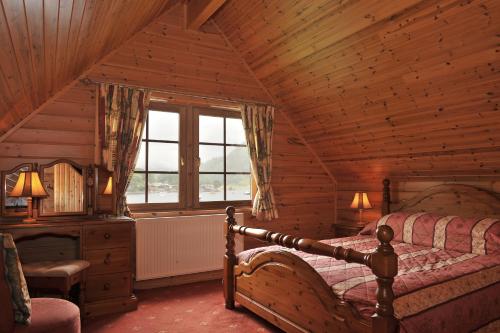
(21, 301)
(468, 235)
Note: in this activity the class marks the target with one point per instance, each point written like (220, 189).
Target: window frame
(203, 111)
(181, 110)
(188, 159)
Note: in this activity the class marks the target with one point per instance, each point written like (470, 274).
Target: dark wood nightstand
(346, 230)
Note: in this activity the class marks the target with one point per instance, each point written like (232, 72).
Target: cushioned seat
(56, 275)
(42, 315)
(62, 268)
(51, 315)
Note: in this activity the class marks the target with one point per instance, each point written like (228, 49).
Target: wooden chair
(59, 275)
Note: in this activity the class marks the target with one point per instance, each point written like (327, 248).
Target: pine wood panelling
(165, 56)
(45, 44)
(304, 192)
(63, 129)
(380, 88)
(198, 12)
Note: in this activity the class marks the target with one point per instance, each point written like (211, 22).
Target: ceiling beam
(199, 11)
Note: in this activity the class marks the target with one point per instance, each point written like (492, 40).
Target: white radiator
(168, 246)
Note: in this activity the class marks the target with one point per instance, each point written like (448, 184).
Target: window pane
(163, 188)
(211, 158)
(237, 159)
(140, 165)
(163, 156)
(211, 129)
(211, 187)
(235, 134)
(238, 187)
(163, 125)
(137, 189)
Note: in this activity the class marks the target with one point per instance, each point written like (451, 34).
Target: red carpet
(195, 307)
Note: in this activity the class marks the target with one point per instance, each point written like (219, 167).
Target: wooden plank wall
(381, 88)
(305, 194)
(47, 44)
(165, 56)
(63, 129)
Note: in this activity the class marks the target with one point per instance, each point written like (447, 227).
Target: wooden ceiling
(375, 87)
(380, 87)
(47, 44)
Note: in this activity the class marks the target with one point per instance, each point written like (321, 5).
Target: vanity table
(108, 244)
(67, 229)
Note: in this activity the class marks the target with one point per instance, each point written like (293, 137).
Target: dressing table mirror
(65, 183)
(13, 206)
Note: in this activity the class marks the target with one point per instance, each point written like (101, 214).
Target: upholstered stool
(52, 315)
(58, 275)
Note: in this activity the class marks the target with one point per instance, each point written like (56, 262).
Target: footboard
(288, 292)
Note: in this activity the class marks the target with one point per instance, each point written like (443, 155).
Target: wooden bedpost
(386, 197)
(229, 259)
(384, 263)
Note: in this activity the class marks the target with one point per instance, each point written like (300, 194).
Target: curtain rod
(88, 81)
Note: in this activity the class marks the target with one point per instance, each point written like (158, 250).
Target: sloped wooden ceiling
(377, 88)
(44, 45)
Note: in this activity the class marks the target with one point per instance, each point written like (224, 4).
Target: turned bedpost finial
(384, 263)
(386, 197)
(229, 259)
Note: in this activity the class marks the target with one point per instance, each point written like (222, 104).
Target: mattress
(436, 290)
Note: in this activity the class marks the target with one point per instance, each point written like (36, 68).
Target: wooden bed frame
(286, 291)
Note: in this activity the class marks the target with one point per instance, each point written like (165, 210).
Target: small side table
(346, 230)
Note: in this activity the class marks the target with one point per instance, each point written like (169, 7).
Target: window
(224, 172)
(156, 175)
(190, 158)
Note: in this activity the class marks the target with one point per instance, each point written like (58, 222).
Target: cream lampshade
(29, 186)
(109, 187)
(360, 202)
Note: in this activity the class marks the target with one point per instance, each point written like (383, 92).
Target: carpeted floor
(195, 307)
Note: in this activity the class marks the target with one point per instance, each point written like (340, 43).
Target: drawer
(105, 237)
(106, 286)
(104, 261)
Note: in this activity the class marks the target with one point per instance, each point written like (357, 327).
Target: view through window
(215, 169)
(156, 175)
(224, 172)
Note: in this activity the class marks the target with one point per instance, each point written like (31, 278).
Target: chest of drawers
(109, 246)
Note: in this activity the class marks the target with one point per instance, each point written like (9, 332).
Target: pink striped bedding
(437, 289)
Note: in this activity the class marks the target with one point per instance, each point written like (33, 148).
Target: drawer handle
(106, 286)
(107, 260)
(107, 236)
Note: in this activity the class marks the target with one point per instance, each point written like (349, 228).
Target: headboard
(446, 199)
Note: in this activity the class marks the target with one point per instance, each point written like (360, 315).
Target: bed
(431, 264)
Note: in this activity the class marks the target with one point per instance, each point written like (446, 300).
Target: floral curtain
(258, 124)
(122, 115)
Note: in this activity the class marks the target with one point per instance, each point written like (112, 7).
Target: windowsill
(188, 212)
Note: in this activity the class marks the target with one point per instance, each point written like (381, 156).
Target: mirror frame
(84, 187)
(3, 193)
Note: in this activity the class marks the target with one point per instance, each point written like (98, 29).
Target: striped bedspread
(436, 290)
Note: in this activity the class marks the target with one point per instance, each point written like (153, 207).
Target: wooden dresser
(109, 246)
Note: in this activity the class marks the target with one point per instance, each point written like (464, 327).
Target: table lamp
(109, 187)
(29, 186)
(360, 202)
